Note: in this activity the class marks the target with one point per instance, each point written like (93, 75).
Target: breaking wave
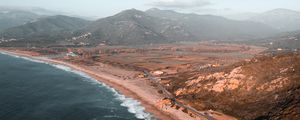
(133, 105)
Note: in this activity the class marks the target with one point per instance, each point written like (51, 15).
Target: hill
(281, 19)
(49, 30)
(265, 87)
(11, 18)
(209, 27)
(160, 26)
(134, 27)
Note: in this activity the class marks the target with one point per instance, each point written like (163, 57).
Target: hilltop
(265, 87)
(134, 27)
(43, 31)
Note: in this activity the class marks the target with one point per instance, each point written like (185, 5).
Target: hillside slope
(264, 88)
(11, 18)
(50, 29)
(136, 27)
(160, 26)
(281, 19)
(209, 27)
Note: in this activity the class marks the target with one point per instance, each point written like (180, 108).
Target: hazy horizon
(127, 60)
(95, 8)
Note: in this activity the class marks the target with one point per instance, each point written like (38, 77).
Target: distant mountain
(162, 26)
(49, 29)
(35, 10)
(15, 16)
(11, 18)
(44, 12)
(241, 16)
(132, 27)
(209, 27)
(136, 27)
(281, 19)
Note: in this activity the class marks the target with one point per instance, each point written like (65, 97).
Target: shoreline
(146, 97)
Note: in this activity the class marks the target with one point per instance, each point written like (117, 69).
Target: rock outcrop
(262, 88)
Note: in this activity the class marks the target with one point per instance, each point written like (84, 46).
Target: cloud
(180, 4)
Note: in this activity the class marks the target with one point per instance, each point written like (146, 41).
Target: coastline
(138, 89)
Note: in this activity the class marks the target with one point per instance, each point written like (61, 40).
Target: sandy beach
(139, 89)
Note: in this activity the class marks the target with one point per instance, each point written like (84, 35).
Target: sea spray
(132, 105)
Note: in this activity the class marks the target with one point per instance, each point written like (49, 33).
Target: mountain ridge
(48, 29)
(282, 19)
(13, 18)
(154, 26)
(173, 27)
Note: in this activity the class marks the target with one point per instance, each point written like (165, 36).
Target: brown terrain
(263, 88)
(239, 80)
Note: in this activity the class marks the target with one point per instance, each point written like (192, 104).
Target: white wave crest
(132, 105)
(62, 67)
(135, 107)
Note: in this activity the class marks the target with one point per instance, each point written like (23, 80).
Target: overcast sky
(102, 8)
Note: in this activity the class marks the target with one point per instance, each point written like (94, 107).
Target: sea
(36, 90)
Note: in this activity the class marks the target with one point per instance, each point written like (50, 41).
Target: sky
(103, 8)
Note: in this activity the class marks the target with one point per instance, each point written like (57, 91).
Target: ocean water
(34, 90)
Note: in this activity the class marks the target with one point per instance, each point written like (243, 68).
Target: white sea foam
(133, 105)
(62, 67)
